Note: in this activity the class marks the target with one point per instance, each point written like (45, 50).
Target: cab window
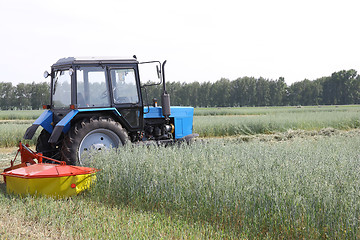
(124, 86)
(92, 89)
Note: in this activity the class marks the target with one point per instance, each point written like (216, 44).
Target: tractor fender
(64, 124)
(44, 120)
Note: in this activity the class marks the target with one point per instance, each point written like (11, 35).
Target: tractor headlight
(46, 74)
(170, 128)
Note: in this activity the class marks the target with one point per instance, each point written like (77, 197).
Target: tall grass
(11, 134)
(20, 114)
(13, 125)
(293, 189)
(213, 126)
(215, 122)
(81, 217)
(302, 188)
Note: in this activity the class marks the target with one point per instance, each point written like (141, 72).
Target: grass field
(20, 115)
(303, 188)
(249, 121)
(273, 110)
(83, 218)
(220, 122)
(299, 182)
(12, 133)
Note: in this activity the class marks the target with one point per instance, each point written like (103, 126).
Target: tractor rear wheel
(46, 148)
(91, 134)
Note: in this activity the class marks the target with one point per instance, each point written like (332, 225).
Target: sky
(201, 40)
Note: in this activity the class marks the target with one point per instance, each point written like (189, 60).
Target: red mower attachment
(54, 179)
(27, 158)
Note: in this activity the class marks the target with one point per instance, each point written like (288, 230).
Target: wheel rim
(98, 139)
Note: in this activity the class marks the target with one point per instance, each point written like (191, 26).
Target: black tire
(91, 133)
(46, 148)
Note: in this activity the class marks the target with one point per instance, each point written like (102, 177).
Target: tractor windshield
(61, 89)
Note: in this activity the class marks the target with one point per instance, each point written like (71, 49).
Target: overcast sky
(202, 40)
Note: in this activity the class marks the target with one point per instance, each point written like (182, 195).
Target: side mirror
(158, 71)
(71, 71)
(46, 74)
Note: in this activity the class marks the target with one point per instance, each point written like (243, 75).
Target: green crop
(277, 120)
(218, 122)
(254, 186)
(20, 114)
(290, 190)
(12, 133)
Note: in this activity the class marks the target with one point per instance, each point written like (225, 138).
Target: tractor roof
(98, 60)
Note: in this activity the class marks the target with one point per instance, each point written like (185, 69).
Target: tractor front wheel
(91, 134)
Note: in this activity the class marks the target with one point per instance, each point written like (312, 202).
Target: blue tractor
(97, 103)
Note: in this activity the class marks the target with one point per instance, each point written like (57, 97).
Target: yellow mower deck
(55, 180)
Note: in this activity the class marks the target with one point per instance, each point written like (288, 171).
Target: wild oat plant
(291, 189)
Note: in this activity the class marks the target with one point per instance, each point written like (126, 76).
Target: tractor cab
(80, 83)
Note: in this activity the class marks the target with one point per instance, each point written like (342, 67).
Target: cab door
(126, 95)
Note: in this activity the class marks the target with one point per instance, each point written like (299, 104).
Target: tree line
(340, 88)
(24, 96)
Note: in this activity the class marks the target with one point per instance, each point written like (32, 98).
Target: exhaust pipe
(165, 97)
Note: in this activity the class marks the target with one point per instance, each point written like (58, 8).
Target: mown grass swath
(273, 110)
(292, 189)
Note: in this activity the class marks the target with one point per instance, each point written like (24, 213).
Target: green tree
(40, 95)
(7, 92)
(220, 93)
